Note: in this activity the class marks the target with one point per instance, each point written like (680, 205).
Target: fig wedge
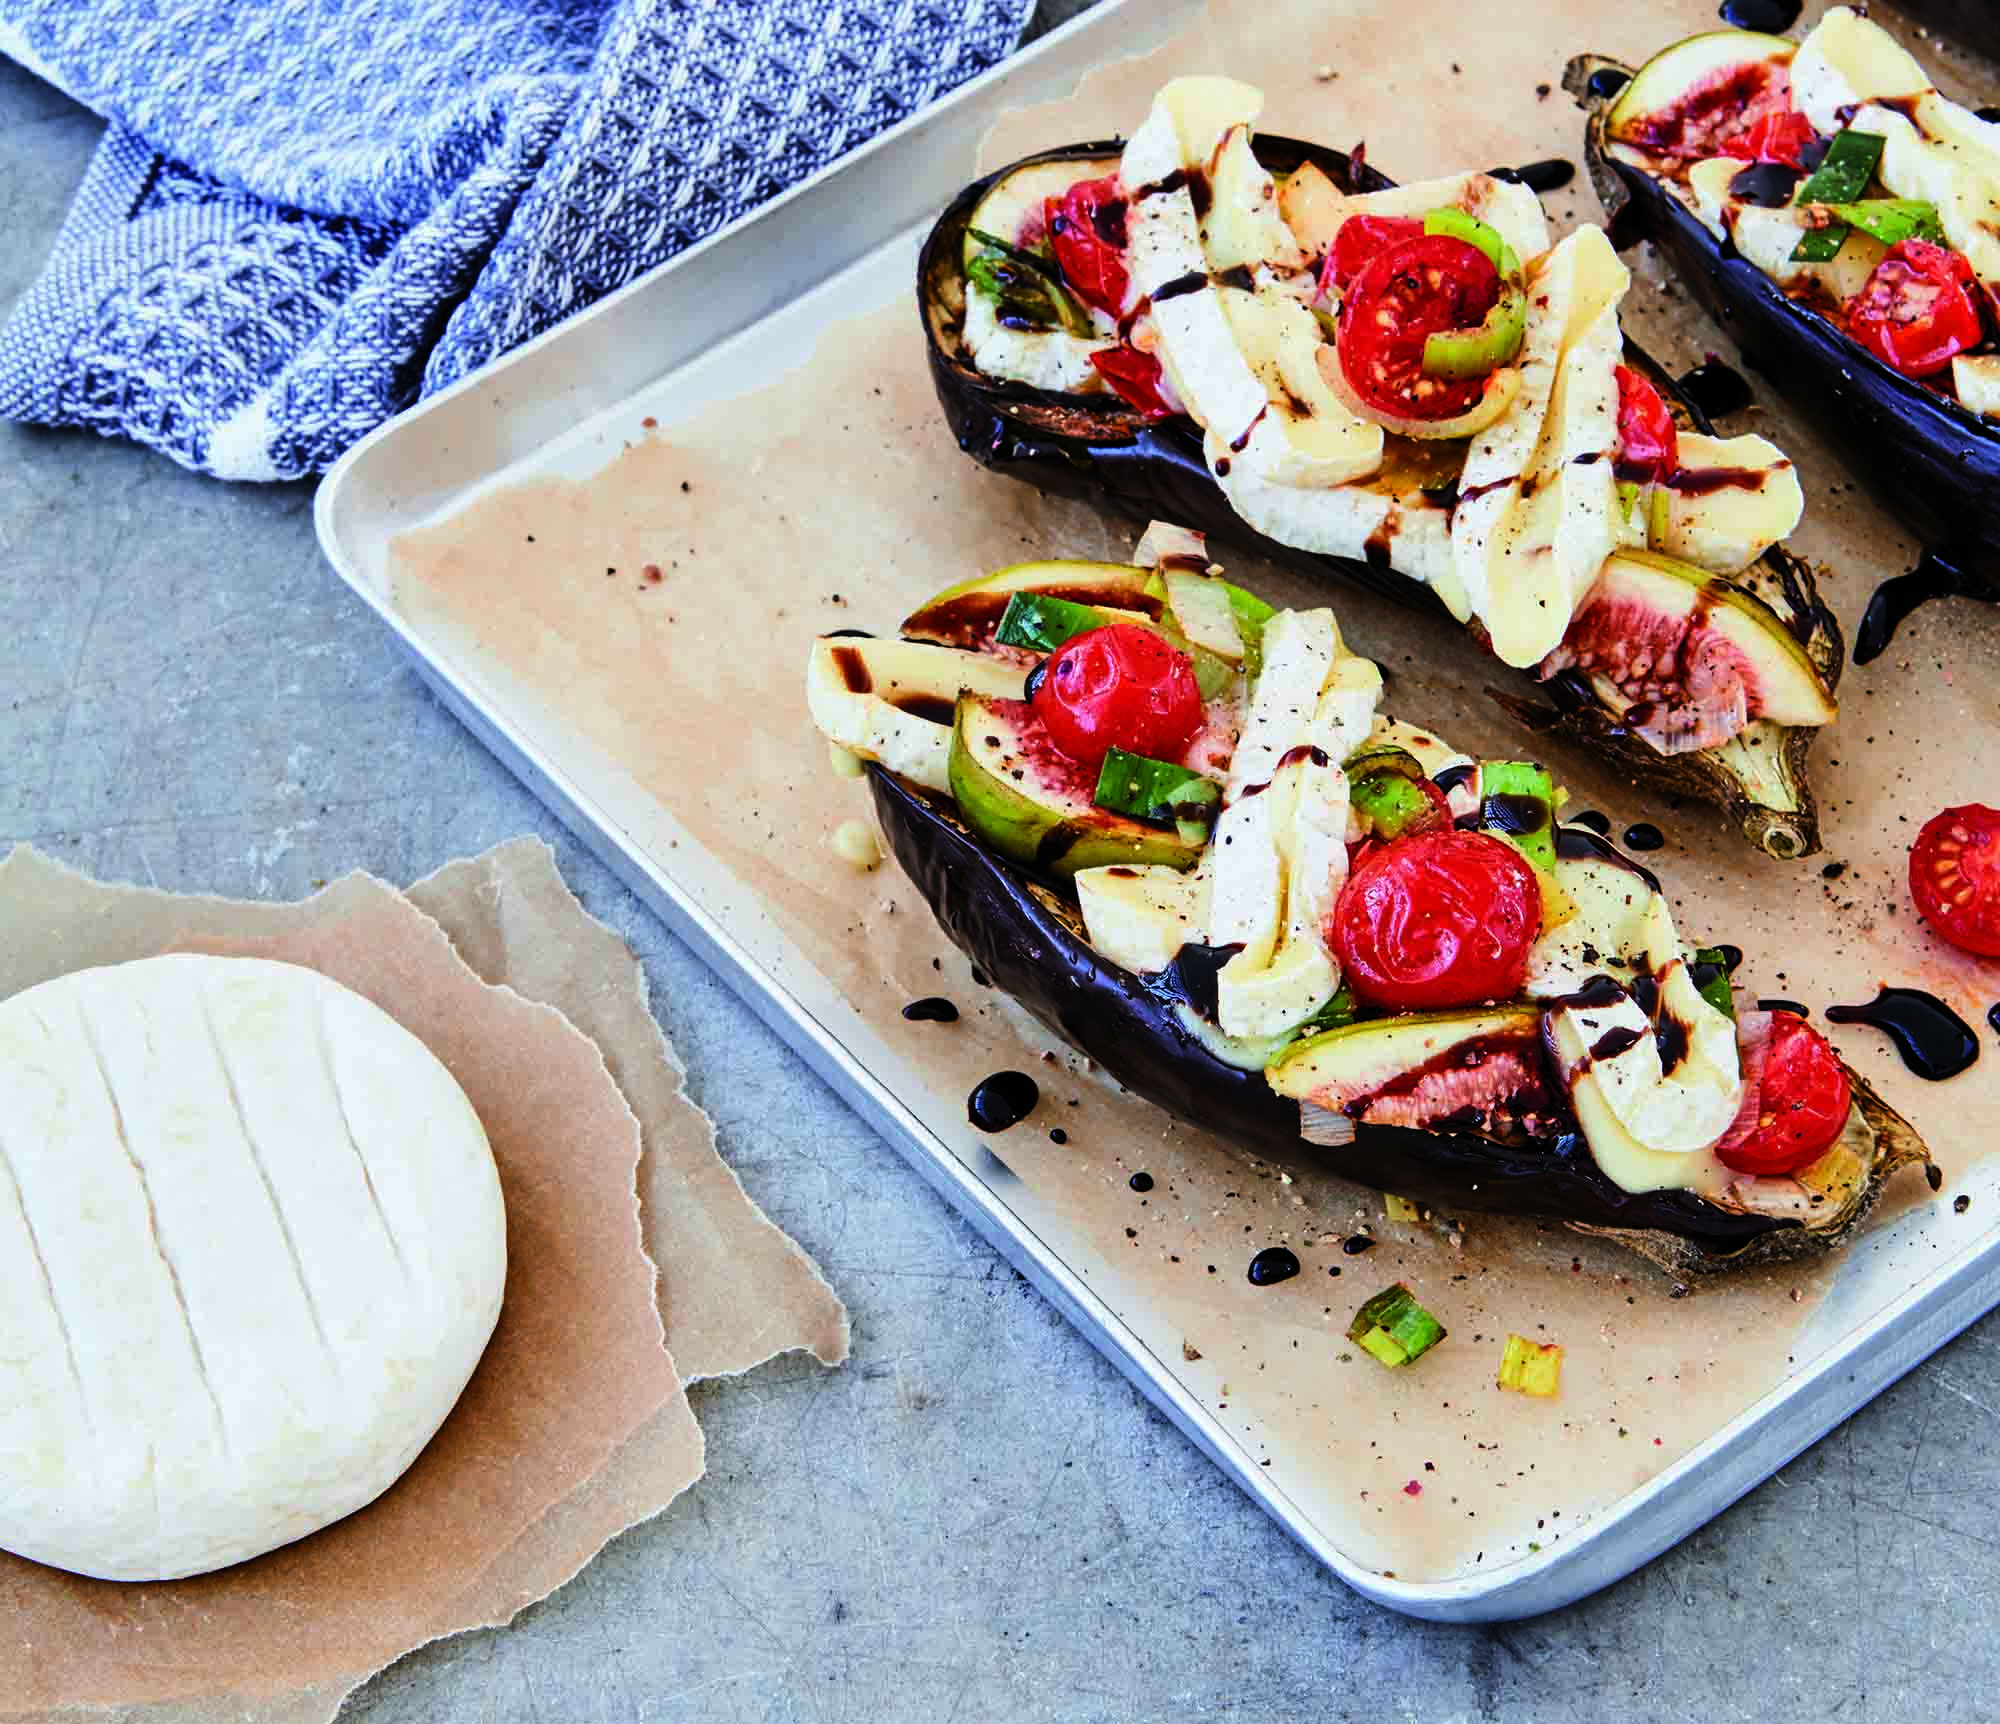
(1095, 447)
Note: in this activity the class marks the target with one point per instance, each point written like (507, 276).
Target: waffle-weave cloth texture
(305, 214)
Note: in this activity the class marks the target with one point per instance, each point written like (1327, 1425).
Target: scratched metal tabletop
(976, 1519)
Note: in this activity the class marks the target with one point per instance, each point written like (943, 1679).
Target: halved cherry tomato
(1359, 240)
(1801, 1105)
(1649, 447)
(1120, 686)
(1780, 135)
(1135, 376)
(1087, 231)
(1917, 309)
(1401, 297)
(1444, 918)
(1955, 876)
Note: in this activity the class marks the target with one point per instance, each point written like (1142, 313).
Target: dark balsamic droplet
(1935, 1042)
(1791, 1006)
(1934, 1176)
(1550, 175)
(1989, 115)
(1715, 389)
(1768, 185)
(1769, 16)
(1960, 1204)
(1606, 81)
(1002, 1100)
(1934, 577)
(1644, 836)
(1591, 821)
(979, 976)
(1358, 1244)
(933, 1010)
(1993, 1018)
(1141, 1181)
(1032, 686)
(1272, 1265)
(1456, 777)
(1732, 956)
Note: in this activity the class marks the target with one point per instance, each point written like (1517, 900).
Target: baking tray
(740, 310)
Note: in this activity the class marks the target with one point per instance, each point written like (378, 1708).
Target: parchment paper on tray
(575, 1425)
(837, 499)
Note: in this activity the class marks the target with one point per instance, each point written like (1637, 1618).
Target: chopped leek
(1710, 975)
(1892, 220)
(1394, 1328)
(1025, 286)
(1041, 622)
(1517, 802)
(1158, 791)
(1401, 1208)
(1461, 353)
(1844, 172)
(1457, 224)
(1531, 1367)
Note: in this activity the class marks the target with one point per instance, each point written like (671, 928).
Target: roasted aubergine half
(1410, 386)
(1173, 824)
(1841, 218)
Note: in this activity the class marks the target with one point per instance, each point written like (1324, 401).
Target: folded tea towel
(307, 213)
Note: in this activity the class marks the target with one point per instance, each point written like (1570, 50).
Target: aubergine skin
(1028, 943)
(1097, 449)
(1931, 463)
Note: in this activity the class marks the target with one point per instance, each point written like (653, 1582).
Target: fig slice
(1686, 658)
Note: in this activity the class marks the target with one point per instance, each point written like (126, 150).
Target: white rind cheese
(251, 1248)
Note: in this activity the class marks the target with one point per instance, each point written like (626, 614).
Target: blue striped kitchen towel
(307, 213)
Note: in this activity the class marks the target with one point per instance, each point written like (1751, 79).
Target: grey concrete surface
(977, 1519)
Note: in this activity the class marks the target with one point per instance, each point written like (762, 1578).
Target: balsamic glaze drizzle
(1272, 1265)
(1770, 16)
(1714, 388)
(1002, 1100)
(1935, 1042)
(1644, 836)
(1592, 821)
(1606, 82)
(1791, 1006)
(1934, 577)
(933, 1010)
(1141, 1181)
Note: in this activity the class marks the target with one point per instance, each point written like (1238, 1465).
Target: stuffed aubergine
(1174, 824)
(1411, 386)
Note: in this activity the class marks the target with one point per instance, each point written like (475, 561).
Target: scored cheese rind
(1535, 519)
(270, 1250)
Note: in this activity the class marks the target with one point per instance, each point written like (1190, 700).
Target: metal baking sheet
(741, 310)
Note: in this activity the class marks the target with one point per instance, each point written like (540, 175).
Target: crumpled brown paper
(575, 1425)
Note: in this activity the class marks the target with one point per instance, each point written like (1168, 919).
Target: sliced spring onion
(1252, 613)
(1892, 220)
(1457, 224)
(1531, 1367)
(1041, 623)
(1385, 791)
(1401, 1208)
(1844, 172)
(1394, 1328)
(1710, 975)
(1518, 803)
(1460, 353)
(1341, 1009)
(1158, 791)
(1028, 286)
(1821, 244)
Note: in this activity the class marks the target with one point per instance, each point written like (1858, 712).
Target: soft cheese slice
(1754, 504)
(1140, 917)
(853, 688)
(1312, 693)
(1535, 520)
(268, 1248)
(1976, 378)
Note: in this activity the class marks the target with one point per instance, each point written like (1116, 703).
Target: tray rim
(1639, 1526)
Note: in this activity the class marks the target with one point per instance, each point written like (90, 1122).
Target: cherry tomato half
(1780, 135)
(1360, 239)
(1135, 377)
(1120, 686)
(1917, 308)
(1444, 918)
(1649, 447)
(1087, 231)
(1401, 297)
(1801, 1105)
(1955, 876)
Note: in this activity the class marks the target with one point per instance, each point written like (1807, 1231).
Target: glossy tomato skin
(1135, 377)
(1120, 686)
(1360, 240)
(1648, 443)
(1087, 233)
(1917, 309)
(1801, 1106)
(1401, 297)
(1444, 918)
(1955, 876)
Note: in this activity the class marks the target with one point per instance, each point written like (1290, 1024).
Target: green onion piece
(1252, 613)
(1041, 623)
(1659, 515)
(1892, 220)
(1518, 803)
(1394, 1327)
(1821, 244)
(1157, 791)
(1844, 172)
(1461, 353)
(1456, 224)
(1389, 804)
(1628, 497)
(1710, 976)
(1029, 286)
(1531, 1367)
(1401, 1208)
(1336, 1014)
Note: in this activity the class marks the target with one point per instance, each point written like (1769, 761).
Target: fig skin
(1096, 449)
(1029, 943)
(1931, 463)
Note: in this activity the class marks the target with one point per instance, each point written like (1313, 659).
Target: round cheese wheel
(251, 1248)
